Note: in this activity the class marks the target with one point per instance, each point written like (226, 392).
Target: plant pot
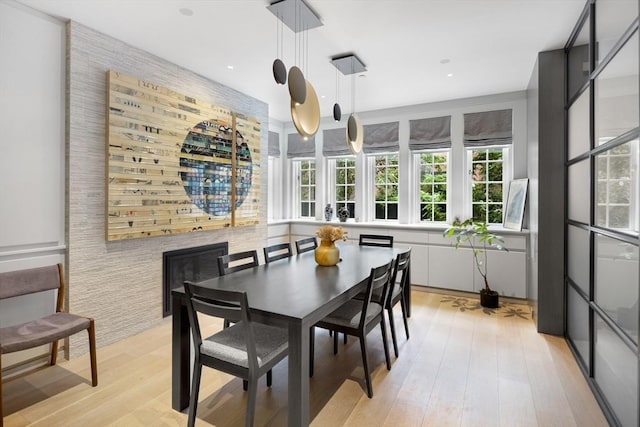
(327, 254)
(489, 299)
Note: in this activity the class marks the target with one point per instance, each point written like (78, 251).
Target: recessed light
(445, 61)
(230, 67)
(186, 11)
(322, 96)
(450, 75)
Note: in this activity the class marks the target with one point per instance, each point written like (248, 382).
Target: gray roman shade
(488, 128)
(297, 147)
(334, 142)
(274, 144)
(380, 138)
(426, 134)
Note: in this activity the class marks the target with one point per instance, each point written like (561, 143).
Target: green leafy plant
(479, 237)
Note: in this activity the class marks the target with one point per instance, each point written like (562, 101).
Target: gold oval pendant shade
(306, 116)
(355, 133)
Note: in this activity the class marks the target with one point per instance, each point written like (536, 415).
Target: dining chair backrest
(378, 279)
(276, 252)
(231, 263)
(306, 245)
(400, 267)
(376, 240)
(224, 304)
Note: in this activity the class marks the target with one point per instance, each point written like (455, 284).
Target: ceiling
(415, 51)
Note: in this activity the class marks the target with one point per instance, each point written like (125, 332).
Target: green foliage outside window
(346, 184)
(307, 188)
(386, 186)
(433, 186)
(487, 179)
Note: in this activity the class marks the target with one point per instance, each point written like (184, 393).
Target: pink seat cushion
(41, 331)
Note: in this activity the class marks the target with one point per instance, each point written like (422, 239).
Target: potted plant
(479, 237)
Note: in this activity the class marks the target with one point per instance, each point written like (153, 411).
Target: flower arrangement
(331, 233)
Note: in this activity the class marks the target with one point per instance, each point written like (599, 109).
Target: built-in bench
(45, 330)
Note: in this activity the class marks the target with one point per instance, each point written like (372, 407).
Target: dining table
(293, 293)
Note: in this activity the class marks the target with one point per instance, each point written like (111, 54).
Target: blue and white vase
(328, 212)
(343, 214)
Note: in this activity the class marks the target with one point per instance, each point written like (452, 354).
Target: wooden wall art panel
(177, 164)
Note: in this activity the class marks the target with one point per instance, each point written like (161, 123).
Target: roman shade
(426, 134)
(274, 144)
(334, 142)
(380, 138)
(297, 147)
(488, 128)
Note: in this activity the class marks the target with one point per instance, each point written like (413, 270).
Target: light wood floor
(461, 367)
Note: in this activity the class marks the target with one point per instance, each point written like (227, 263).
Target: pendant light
(279, 69)
(306, 115)
(354, 132)
(337, 111)
(350, 64)
(305, 108)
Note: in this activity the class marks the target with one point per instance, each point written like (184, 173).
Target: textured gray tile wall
(120, 283)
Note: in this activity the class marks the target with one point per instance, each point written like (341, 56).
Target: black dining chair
(240, 261)
(231, 263)
(376, 240)
(397, 285)
(276, 252)
(358, 318)
(245, 349)
(306, 245)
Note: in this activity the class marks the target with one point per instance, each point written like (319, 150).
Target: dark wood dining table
(294, 293)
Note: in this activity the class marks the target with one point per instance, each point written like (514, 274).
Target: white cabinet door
(507, 273)
(450, 268)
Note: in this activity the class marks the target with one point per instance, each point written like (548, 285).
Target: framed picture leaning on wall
(515, 204)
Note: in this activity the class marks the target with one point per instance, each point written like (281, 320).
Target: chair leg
(383, 326)
(251, 402)
(269, 378)
(195, 388)
(54, 353)
(245, 385)
(365, 364)
(1, 408)
(312, 346)
(403, 305)
(392, 326)
(92, 353)
(335, 342)
(345, 339)
(226, 324)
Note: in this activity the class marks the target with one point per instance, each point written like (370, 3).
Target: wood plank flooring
(462, 366)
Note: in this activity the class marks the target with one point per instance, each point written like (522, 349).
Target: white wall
(32, 155)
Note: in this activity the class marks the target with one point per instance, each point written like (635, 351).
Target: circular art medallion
(206, 155)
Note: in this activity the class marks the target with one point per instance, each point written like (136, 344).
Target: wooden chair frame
(281, 251)
(306, 245)
(13, 290)
(379, 278)
(232, 305)
(376, 240)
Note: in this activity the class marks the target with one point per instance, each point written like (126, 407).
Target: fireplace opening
(194, 264)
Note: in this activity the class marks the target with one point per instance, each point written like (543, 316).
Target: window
(345, 184)
(386, 186)
(433, 167)
(487, 183)
(616, 187)
(306, 177)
